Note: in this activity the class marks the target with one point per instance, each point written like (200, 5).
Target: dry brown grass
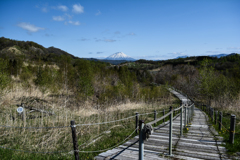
(228, 106)
(52, 139)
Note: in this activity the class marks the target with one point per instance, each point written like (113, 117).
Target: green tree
(207, 81)
(4, 76)
(84, 78)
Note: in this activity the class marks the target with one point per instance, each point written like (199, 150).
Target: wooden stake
(74, 137)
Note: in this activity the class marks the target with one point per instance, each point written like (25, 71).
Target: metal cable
(99, 135)
(109, 147)
(90, 124)
(166, 123)
(159, 119)
(150, 113)
(69, 126)
(178, 108)
(146, 113)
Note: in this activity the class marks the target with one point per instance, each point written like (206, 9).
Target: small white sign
(20, 109)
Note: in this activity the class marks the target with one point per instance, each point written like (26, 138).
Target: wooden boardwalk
(198, 143)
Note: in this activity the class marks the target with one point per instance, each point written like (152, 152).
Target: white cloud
(98, 13)
(44, 9)
(234, 48)
(131, 34)
(58, 18)
(109, 40)
(29, 27)
(176, 53)
(83, 39)
(69, 16)
(76, 23)
(117, 32)
(105, 40)
(62, 8)
(77, 8)
(213, 52)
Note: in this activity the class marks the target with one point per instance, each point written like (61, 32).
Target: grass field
(56, 143)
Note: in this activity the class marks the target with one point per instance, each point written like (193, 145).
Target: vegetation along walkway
(199, 141)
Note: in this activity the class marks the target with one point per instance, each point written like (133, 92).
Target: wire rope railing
(146, 129)
(187, 109)
(70, 126)
(109, 147)
(217, 118)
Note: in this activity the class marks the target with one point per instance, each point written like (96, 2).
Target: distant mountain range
(119, 56)
(182, 57)
(221, 55)
(217, 55)
(31, 50)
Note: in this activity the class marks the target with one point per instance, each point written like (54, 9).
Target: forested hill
(53, 71)
(29, 50)
(33, 51)
(214, 81)
(30, 67)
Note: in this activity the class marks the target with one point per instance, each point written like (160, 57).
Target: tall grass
(94, 137)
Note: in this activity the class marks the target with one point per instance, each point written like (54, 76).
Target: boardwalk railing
(145, 130)
(185, 111)
(75, 140)
(217, 118)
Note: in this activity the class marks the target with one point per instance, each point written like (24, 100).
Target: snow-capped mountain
(119, 56)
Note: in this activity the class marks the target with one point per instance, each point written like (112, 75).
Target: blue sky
(142, 29)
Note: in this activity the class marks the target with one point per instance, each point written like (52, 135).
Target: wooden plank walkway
(198, 143)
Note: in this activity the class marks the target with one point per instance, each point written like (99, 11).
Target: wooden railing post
(220, 121)
(155, 116)
(210, 111)
(190, 113)
(193, 108)
(181, 119)
(232, 128)
(170, 130)
(136, 123)
(212, 114)
(74, 137)
(163, 115)
(185, 117)
(141, 144)
(190, 117)
(216, 113)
